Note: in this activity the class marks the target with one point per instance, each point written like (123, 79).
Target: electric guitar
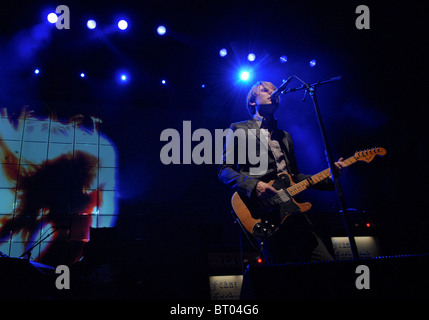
(262, 219)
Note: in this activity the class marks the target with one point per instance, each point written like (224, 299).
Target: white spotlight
(91, 24)
(52, 17)
(251, 57)
(161, 30)
(223, 52)
(122, 24)
(245, 75)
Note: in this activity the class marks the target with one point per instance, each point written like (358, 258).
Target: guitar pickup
(284, 196)
(280, 198)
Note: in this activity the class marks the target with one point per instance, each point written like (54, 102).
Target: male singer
(295, 240)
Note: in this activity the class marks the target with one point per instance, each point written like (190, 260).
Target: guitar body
(263, 220)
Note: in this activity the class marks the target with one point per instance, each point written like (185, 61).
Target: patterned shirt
(273, 144)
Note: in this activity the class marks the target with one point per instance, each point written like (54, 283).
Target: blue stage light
(161, 30)
(91, 24)
(122, 24)
(223, 52)
(123, 76)
(82, 75)
(244, 75)
(52, 17)
(283, 59)
(36, 71)
(312, 63)
(251, 57)
(163, 81)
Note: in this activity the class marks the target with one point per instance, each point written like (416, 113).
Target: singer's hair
(254, 92)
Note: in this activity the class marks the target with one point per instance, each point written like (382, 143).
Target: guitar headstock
(369, 154)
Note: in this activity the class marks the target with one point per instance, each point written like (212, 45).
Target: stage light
(251, 57)
(36, 71)
(82, 75)
(283, 59)
(203, 86)
(161, 30)
(123, 76)
(244, 75)
(122, 24)
(312, 63)
(223, 52)
(91, 24)
(52, 17)
(163, 81)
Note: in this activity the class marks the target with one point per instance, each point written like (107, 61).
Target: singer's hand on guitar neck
(340, 165)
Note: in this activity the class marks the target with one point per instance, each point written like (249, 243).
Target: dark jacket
(238, 174)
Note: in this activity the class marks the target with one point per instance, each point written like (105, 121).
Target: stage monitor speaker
(397, 277)
(367, 247)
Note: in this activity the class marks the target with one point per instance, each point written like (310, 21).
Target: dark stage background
(170, 216)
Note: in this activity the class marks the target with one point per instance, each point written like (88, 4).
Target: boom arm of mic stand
(28, 252)
(315, 84)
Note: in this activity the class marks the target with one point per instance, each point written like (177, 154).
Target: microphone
(275, 95)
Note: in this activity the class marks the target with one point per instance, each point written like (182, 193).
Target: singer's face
(264, 96)
(264, 105)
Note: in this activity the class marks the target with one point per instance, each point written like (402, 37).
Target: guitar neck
(305, 184)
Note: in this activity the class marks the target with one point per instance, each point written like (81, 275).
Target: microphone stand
(28, 252)
(311, 89)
